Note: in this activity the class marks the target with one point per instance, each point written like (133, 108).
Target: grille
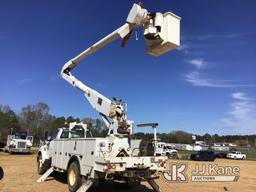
(21, 144)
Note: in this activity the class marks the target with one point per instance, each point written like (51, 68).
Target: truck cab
(19, 142)
(46, 150)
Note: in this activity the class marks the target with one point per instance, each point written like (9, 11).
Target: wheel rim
(40, 162)
(72, 177)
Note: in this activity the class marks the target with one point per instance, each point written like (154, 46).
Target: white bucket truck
(164, 149)
(87, 159)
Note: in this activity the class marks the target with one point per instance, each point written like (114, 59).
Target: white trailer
(87, 159)
(18, 142)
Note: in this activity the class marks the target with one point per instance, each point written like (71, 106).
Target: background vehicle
(163, 149)
(19, 142)
(154, 146)
(236, 155)
(203, 156)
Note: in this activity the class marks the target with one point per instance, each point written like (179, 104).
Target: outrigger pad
(85, 186)
(45, 175)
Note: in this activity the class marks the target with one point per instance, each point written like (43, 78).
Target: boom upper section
(162, 34)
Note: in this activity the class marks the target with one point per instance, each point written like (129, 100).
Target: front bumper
(20, 150)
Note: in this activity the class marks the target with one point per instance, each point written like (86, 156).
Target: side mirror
(30, 138)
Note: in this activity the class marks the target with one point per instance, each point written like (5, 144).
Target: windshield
(54, 135)
(20, 135)
(77, 133)
(74, 133)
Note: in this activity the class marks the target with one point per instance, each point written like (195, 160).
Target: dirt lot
(20, 175)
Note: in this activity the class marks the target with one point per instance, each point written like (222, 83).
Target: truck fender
(72, 159)
(43, 153)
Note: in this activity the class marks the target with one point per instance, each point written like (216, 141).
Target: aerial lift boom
(161, 32)
(111, 158)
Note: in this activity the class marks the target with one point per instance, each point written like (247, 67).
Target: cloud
(196, 79)
(242, 114)
(198, 62)
(240, 96)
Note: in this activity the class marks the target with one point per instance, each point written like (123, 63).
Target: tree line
(36, 119)
(186, 138)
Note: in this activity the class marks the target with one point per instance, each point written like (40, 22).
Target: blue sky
(207, 85)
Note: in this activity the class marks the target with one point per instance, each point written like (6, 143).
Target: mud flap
(45, 175)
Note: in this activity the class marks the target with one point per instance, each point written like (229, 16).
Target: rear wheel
(74, 177)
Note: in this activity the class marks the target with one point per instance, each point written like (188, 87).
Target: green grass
(185, 154)
(250, 154)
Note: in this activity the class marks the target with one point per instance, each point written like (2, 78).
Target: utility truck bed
(107, 158)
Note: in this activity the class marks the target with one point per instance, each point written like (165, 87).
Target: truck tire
(74, 178)
(41, 167)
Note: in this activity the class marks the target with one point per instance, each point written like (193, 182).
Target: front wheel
(74, 177)
(41, 169)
